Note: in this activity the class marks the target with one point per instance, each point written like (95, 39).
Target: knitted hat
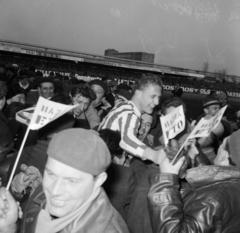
(81, 149)
(210, 100)
(100, 83)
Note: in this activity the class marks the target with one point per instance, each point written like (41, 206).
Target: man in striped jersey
(125, 117)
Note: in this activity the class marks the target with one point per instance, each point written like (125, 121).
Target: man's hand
(27, 177)
(153, 155)
(15, 98)
(167, 167)
(8, 211)
(161, 155)
(191, 149)
(222, 155)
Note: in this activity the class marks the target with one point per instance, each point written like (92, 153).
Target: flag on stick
(45, 112)
(173, 124)
(203, 129)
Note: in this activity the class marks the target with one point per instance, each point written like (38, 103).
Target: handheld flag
(45, 112)
(203, 129)
(173, 124)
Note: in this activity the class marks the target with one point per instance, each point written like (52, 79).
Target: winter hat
(81, 149)
(100, 83)
(210, 100)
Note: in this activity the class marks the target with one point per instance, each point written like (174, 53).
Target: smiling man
(126, 116)
(45, 89)
(82, 95)
(70, 198)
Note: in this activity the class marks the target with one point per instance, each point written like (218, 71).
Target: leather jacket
(101, 217)
(210, 202)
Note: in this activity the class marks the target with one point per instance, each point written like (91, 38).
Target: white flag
(206, 126)
(173, 124)
(44, 112)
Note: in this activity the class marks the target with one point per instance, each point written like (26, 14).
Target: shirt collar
(138, 113)
(24, 87)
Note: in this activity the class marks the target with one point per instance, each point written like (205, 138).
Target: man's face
(223, 100)
(65, 191)
(24, 81)
(149, 98)
(46, 90)
(145, 126)
(212, 110)
(82, 102)
(113, 89)
(32, 79)
(98, 90)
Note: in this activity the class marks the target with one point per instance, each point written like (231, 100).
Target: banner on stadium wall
(185, 89)
(86, 78)
(71, 58)
(201, 91)
(172, 124)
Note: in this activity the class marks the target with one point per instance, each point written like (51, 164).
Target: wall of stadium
(201, 91)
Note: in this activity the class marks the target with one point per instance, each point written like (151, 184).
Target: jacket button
(29, 219)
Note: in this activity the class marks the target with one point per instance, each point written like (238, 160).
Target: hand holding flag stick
(202, 129)
(45, 112)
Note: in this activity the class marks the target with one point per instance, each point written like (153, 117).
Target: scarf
(48, 225)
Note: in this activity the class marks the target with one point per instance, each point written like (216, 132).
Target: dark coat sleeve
(168, 213)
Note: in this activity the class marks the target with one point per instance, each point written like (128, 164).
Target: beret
(81, 149)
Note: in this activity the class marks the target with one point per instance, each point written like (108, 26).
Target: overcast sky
(182, 33)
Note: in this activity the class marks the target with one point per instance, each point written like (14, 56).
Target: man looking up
(70, 198)
(125, 117)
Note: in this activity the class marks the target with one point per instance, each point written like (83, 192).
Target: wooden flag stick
(18, 157)
(176, 156)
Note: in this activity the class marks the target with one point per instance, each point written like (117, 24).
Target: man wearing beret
(45, 89)
(70, 198)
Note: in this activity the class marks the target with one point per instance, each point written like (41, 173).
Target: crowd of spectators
(105, 165)
(63, 69)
